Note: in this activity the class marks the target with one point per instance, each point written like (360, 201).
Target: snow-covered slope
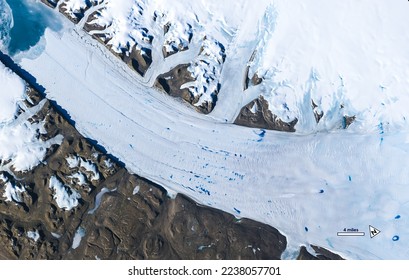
(76, 8)
(21, 148)
(144, 33)
(348, 57)
(12, 91)
(335, 60)
(310, 184)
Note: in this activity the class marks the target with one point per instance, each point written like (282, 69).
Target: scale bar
(350, 233)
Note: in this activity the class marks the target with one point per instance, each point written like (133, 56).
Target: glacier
(309, 184)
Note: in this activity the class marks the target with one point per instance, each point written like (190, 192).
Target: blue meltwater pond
(23, 24)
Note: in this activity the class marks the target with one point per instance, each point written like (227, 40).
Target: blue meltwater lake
(23, 23)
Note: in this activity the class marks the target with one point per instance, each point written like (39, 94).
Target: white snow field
(34, 235)
(74, 6)
(309, 184)
(66, 197)
(12, 91)
(21, 148)
(12, 192)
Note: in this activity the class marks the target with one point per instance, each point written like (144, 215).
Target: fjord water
(26, 23)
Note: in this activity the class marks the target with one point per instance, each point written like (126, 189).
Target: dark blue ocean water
(30, 18)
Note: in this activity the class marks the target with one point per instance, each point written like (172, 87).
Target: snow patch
(66, 197)
(20, 144)
(12, 192)
(136, 190)
(79, 178)
(73, 161)
(254, 108)
(74, 7)
(108, 163)
(56, 235)
(178, 37)
(206, 70)
(79, 234)
(125, 24)
(35, 235)
(89, 167)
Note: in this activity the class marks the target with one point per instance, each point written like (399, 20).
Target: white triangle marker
(373, 231)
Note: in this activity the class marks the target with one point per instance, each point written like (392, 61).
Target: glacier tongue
(324, 181)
